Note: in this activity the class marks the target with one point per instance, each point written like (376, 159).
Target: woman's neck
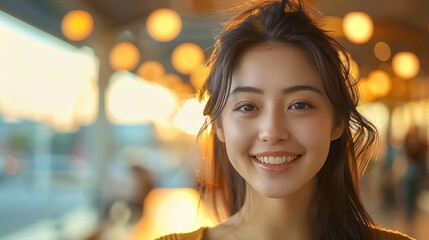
(273, 218)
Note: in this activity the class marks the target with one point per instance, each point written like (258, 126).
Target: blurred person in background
(287, 146)
(416, 150)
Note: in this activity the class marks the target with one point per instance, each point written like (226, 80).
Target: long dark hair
(336, 209)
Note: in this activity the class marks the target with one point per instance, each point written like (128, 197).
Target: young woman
(287, 144)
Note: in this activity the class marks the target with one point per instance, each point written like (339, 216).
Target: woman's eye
(247, 108)
(300, 106)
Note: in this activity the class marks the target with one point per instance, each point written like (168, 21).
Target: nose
(273, 127)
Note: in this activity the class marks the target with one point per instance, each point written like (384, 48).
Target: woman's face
(278, 123)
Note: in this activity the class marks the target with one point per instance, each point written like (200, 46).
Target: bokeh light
(46, 80)
(353, 68)
(358, 27)
(379, 83)
(198, 77)
(171, 210)
(334, 25)
(187, 57)
(151, 70)
(382, 51)
(77, 25)
(190, 117)
(171, 81)
(364, 91)
(132, 100)
(124, 56)
(405, 65)
(164, 24)
(400, 123)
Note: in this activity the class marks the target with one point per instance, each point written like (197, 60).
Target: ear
(219, 130)
(337, 130)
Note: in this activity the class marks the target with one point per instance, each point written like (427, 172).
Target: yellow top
(377, 234)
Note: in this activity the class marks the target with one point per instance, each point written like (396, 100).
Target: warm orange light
(334, 25)
(382, 51)
(406, 65)
(77, 25)
(151, 70)
(187, 57)
(164, 24)
(358, 27)
(124, 56)
(353, 68)
(401, 122)
(190, 117)
(166, 131)
(171, 81)
(131, 100)
(364, 92)
(379, 83)
(198, 77)
(171, 210)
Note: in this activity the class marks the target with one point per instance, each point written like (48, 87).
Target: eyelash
(304, 103)
(308, 106)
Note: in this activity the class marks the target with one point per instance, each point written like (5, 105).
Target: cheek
(238, 135)
(314, 133)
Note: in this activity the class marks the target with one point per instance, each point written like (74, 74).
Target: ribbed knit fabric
(377, 234)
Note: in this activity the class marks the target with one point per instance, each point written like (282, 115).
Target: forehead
(279, 65)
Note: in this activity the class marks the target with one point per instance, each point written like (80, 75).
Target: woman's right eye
(246, 108)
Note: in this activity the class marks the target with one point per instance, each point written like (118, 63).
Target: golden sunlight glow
(46, 80)
(171, 210)
(151, 71)
(77, 25)
(171, 81)
(354, 70)
(199, 76)
(166, 131)
(400, 124)
(164, 24)
(190, 117)
(354, 67)
(379, 83)
(358, 27)
(334, 24)
(378, 114)
(364, 91)
(187, 57)
(406, 65)
(382, 51)
(132, 100)
(124, 56)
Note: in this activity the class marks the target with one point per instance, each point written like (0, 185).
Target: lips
(277, 159)
(276, 162)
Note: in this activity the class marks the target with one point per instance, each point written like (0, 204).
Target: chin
(278, 193)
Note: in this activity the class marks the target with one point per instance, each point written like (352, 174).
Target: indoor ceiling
(403, 24)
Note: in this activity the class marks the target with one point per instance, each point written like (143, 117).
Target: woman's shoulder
(195, 235)
(379, 233)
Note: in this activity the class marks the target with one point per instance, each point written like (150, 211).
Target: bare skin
(271, 118)
(276, 219)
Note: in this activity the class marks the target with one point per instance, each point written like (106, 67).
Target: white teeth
(277, 160)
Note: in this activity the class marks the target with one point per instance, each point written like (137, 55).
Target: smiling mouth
(277, 160)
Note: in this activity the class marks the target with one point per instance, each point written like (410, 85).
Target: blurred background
(98, 115)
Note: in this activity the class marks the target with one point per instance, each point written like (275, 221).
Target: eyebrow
(285, 91)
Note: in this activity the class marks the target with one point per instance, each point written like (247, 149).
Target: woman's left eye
(300, 106)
